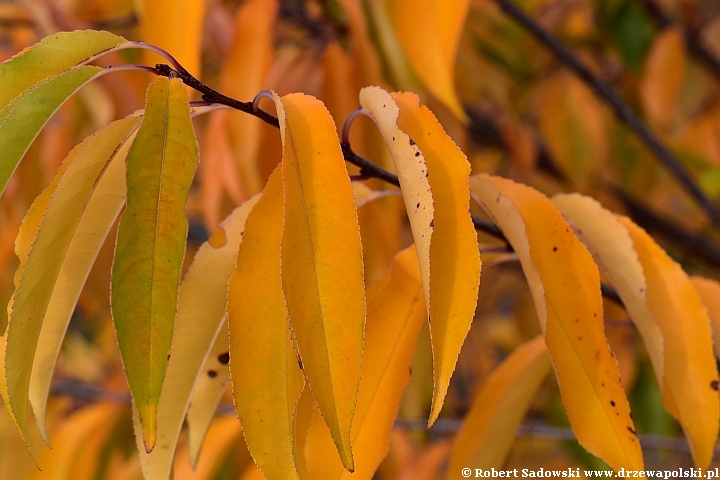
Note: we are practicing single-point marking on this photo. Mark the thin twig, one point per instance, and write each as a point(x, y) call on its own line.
point(623, 112)
point(693, 44)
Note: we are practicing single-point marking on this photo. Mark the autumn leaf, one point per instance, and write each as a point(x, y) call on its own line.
point(665, 69)
point(396, 310)
point(151, 245)
point(267, 381)
point(322, 269)
point(432, 54)
point(454, 256)
point(709, 291)
point(199, 325)
point(490, 427)
point(565, 285)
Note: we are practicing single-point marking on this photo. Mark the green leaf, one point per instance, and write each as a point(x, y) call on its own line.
point(43, 246)
point(151, 245)
point(22, 119)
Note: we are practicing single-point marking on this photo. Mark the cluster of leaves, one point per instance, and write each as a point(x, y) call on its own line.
point(308, 278)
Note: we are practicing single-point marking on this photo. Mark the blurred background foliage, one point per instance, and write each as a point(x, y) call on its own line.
point(528, 118)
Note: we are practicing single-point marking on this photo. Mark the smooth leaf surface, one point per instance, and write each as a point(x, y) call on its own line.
point(22, 118)
point(709, 291)
point(396, 311)
point(42, 248)
point(85, 204)
point(613, 249)
point(432, 53)
point(53, 55)
point(565, 285)
point(200, 324)
point(691, 377)
point(267, 381)
point(489, 428)
point(454, 254)
point(412, 172)
point(151, 245)
point(322, 268)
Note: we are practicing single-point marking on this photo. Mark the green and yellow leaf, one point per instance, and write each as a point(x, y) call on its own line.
point(565, 285)
point(322, 268)
point(151, 245)
point(200, 324)
point(267, 381)
point(454, 254)
point(42, 247)
point(489, 429)
point(396, 310)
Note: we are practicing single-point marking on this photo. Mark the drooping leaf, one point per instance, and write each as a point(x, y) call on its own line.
point(22, 118)
point(432, 53)
point(709, 291)
point(490, 427)
point(176, 27)
point(84, 206)
point(613, 250)
point(267, 381)
point(691, 377)
point(396, 310)
point(565, 285)
point(412, 172)
point(322, 269)
point(151, 245)
point(200, 320)
point(52, 56)
point(208, 392)
point(454, 255)
point(42, 247)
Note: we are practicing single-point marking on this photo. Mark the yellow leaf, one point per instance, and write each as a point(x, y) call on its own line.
point(709, 291)
point(565, 285)
point(432, 52)
point(208, 392)
point(151, 245)
point(412, 172)
point(396, 311)
point(322, 269)
point(454, 255)
point(42, 249)
point(691, 377)
point(267, 381)
point(77, 248)
point(613, 250)
point(663, 76)
point(200, 320)
point(489, 428)
point(177, 28)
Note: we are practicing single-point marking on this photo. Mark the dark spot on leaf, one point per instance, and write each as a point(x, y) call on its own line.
point(168, 357)
point(412, 142)
point(632, 430)
point(212, 373)
point(554, 249)
point(417, 154)
point(579, 338)
point(224, 358)
point(612, 402)
point(432, 223)
point(418, 205)
point(714, 385)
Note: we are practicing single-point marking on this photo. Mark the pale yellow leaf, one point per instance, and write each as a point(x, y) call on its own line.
point(612, 248)
point(565, 285)
point(454, 255)
point(322, 268)
point(489, 428)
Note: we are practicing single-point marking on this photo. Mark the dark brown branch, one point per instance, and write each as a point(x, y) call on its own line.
point(693, 44)
point(623, 112)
